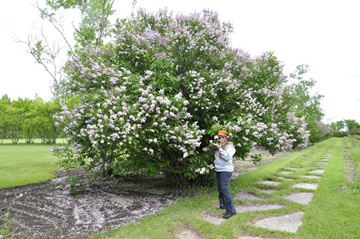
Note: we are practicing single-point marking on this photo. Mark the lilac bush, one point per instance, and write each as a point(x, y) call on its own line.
point(153, 99)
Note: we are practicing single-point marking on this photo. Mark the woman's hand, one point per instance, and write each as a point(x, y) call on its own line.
point(215, 145)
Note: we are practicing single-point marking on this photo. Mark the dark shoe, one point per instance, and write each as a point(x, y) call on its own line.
point(227, 216)
point(221, 207)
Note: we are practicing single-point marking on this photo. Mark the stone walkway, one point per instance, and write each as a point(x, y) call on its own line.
point(286, 223)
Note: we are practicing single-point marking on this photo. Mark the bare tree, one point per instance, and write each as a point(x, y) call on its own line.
point(47, 54)
point(94, 18)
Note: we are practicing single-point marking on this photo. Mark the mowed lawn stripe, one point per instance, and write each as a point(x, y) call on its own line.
point(25, 164)
point(332, 214)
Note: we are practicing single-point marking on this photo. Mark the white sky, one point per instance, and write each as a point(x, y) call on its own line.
point(323, 34)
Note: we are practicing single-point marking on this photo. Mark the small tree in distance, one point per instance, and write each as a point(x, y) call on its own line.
point(154, 98)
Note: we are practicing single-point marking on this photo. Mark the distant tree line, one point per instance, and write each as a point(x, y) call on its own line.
point(29, 119)
point(345, 127)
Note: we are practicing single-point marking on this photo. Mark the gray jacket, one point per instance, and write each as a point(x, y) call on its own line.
point(224, 164)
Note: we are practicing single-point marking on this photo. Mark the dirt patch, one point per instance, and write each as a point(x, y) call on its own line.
point(351, 175)
point(214, 219)
point(188, 233)
point(44, 210)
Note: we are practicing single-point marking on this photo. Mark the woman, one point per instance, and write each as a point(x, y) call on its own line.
point(223, 170)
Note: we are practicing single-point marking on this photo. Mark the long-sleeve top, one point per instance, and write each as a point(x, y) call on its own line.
point(224, 164)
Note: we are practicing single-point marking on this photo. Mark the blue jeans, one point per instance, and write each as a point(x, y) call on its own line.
point(225, 198)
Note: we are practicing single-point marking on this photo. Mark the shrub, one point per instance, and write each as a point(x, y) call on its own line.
point(153, 99)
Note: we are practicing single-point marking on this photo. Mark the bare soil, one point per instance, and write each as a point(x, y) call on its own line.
point(44, 210)
point(47, 210)
point(351, 175)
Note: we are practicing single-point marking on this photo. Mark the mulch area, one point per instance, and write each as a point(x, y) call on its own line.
point(45, 210)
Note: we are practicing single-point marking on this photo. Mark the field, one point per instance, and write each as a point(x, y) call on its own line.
point(332, 211)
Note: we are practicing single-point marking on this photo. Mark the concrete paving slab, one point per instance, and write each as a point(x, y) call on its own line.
point(325, 159)
point(310, 176)
point(305, 185)
point(262, 207)
point(269, 182)
point(285, 172)
point(318, 171)
point(291, 168)
point(322, 163)
point(287, 223)
point(267, 190)
point(303, 198)
point(244, 194)
point(187, 234)
point(212, 219)
point(290, 179)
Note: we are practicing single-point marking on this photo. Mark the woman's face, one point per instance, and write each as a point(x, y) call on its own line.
point(222, 139)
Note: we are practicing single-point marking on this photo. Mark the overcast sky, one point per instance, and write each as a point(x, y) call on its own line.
point(323, 34)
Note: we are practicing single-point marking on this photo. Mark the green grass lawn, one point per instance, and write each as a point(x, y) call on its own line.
point(25, 163)
point(331, 213)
